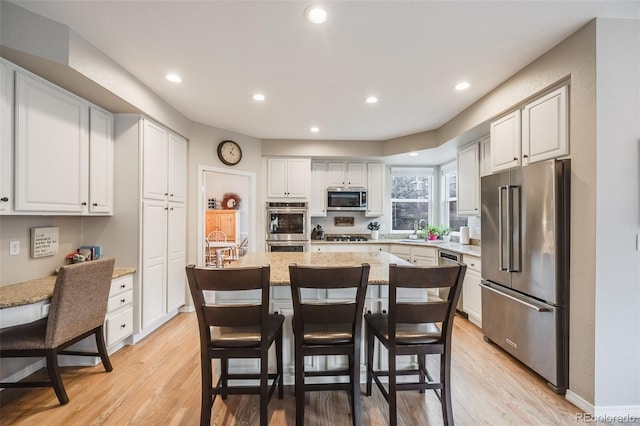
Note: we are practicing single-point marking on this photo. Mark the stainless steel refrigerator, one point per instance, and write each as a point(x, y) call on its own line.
point(525, 266)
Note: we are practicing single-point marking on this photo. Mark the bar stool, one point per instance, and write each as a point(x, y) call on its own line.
point(236, 331)
point(410, 329)
point(332, 328)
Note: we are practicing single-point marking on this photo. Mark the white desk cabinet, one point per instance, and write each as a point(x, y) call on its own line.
point(472, 300)
point(6, 137)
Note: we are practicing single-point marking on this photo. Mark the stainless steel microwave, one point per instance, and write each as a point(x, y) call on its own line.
point(346, 199)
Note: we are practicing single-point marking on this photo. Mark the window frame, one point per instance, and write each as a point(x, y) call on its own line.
point(445, 171)
point(432, 200)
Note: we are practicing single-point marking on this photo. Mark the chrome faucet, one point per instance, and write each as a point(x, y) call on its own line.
point(422, 224)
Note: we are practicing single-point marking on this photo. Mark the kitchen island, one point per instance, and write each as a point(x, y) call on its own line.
point(378, 273)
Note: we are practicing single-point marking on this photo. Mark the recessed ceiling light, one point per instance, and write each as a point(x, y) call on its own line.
point(174, 78)
point(372, 100)
point(463, 85)
point(314, 129)
point(258, 97)
point(315, 14)
point(413, 154)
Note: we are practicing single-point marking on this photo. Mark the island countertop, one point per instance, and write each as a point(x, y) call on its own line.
point(379, 262)
point(39, 289)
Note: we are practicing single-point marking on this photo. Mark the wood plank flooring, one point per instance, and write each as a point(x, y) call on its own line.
point(157, 382)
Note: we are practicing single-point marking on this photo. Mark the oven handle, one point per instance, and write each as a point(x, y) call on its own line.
point(277, 211)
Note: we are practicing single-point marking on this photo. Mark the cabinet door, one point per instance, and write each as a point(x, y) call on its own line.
point(154, 261)
point(298, 177)
point(375, 189)
point(177, 184)
point(227, 223)
point(468, 186)
point(52, 149)
point(472, 299)
point(6, 138)
point(505, 142)
point(485, 157)
point(545, 132)
point(154, 161)
point(336, 174)
point(276, 177)
point(356, 174)
point(100, 161)
point(176, 255)
point(318, 190)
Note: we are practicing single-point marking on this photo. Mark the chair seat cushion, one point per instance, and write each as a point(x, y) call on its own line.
point(406, 334)
point(244, 337)
point(327, 334)
point(24, 336)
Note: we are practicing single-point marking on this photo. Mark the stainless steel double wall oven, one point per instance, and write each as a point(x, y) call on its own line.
point(287, 227)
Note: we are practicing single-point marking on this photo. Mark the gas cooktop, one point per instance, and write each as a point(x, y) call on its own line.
point(345, 238)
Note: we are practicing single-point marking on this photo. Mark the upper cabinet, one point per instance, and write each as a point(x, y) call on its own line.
point(543, 133)
point(288, 177)
point(468, 185)
point(346, 174)
point(6, 137)
point(375, 189)
point(100, 161)
point(505, 142)
point(177, 183)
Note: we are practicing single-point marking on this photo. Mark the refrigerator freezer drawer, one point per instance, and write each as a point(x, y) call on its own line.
point(526, 328)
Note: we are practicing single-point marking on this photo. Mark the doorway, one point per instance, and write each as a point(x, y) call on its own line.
point(219, 184)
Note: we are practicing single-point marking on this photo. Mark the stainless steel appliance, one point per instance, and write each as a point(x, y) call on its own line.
point(346, 199)
point(287, 226)
point(445, 256)
point(525, 266)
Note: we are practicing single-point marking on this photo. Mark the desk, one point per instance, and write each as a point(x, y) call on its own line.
point(378, 273)
point(219, 246)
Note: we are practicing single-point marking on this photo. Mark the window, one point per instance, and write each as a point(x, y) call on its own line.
point(411, 192)
point(449, 198)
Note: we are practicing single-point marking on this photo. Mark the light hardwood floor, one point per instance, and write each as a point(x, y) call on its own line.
point(157, 382)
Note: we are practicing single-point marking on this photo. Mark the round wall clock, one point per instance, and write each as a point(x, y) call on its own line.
point(229, 153)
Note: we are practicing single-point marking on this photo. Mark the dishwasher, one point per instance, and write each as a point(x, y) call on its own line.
point(445, 256)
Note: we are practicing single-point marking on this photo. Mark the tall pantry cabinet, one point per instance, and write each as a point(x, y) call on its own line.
point(148, 228)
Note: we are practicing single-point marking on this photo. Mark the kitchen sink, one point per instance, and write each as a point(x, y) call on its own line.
point(429, 242)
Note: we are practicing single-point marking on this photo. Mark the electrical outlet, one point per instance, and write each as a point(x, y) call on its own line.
point(14, 248)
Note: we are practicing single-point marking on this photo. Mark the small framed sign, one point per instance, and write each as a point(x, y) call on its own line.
point(343, 221)
point(44, 241)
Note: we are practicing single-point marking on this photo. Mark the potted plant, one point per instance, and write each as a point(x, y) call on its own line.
point(374, 227)
point(433, 232)
point(444, 232)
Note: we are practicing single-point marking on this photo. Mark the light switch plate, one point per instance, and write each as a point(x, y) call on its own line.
point(14, 248)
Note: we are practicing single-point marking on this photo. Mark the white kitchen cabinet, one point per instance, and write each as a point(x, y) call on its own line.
point(485, 156)
point(100, 161)
point(378, 248)
point(155, 143)
point(6, 137)
point(318, 194)
point(468, 185)
point(51, 149)
point(506, 142)
point(119, 318)
point(177, 174)
point(154, 261)
point(346, 174)
point(176, 255)
point(375, 189)
point(545, 130)
point(472, 300)
point(288, 177)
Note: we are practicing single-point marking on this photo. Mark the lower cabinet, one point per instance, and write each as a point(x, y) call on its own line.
point(119, 319)
point(472, 300)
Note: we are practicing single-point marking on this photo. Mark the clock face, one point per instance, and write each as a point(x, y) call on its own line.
point(229, 153)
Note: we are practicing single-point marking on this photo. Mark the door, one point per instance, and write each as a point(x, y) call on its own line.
point(535, 257)
point(494, 228)
point(154, 261)
point(176, 255)
point(100, 161)
point(177, 184)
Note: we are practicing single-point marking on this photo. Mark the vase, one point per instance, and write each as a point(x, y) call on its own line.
point(374, 234)
point(433, 237)
point(446, 238)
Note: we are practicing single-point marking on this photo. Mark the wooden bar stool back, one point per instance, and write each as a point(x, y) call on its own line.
point(410, 328)
point(332, 328)
point(242, 330)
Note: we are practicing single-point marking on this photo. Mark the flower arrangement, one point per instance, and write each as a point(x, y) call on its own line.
point(373, 226)
point(433, 232)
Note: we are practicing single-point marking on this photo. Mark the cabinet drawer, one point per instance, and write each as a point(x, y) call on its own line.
point(119, 326)
point(400, 251)
point(120, 300)
point(473, 263)
point(424, 252)
point(121, 284)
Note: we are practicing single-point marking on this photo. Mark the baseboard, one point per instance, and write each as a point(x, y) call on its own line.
point(602, 413)
point(153, 327)
point(24, 372)
point(187, 308)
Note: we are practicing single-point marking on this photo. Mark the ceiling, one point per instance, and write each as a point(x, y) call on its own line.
point(410, 54)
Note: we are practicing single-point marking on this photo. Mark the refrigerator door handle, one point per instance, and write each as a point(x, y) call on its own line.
point(500, 212)
point(509, 230)
point(528, 305)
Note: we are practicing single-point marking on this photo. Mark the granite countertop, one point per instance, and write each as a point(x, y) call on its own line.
point(379, 262)
point(471, 250)
point(37, 290)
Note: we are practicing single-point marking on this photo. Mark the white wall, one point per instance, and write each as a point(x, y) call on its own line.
point(617, 309)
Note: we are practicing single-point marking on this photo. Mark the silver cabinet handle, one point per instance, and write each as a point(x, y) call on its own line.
point(528, 305)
